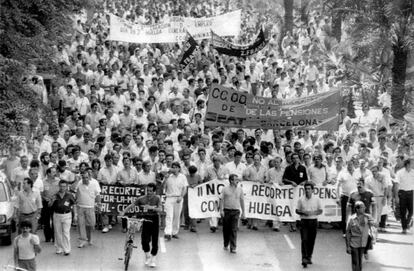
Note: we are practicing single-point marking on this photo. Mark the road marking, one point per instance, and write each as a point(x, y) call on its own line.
point(289, 241)
point(162, 245)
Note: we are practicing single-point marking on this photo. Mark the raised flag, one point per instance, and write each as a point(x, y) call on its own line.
point(227, 48)
point(188, 53)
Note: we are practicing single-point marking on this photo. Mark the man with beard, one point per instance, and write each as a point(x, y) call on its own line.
point(44, 160)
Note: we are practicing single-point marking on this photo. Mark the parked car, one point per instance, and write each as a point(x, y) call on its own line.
point(7, 222)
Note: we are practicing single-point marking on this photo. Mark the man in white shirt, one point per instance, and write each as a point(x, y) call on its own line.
point(175, 190)
point(161, 95)
point(180, 82)
point(87, 195)
point(82, 103)
point(385, 98)
point(405, 187)
point(346, 183)
point(236, 166)
point(308, 208)
point(311, 76)
point(119, 100)
point(18, 174)
point(109, 80)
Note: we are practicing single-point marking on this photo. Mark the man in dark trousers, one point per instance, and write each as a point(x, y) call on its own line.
point(308, 208)
point(232, 201)
point(150, 204)
point(295, 174)
point(367, 197)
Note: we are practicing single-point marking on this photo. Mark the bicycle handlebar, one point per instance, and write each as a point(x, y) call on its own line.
point(136, 219)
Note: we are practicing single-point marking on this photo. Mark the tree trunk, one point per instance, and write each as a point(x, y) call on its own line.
point(398, 81)
point(288, 18)
point(337, 25)
point(303, 11)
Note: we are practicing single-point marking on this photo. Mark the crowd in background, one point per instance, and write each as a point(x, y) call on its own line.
point(125, 113)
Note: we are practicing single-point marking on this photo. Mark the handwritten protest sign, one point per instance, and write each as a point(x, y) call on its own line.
point(267, 201)
point(204, 199)
point(115, 198)
point(263, 201)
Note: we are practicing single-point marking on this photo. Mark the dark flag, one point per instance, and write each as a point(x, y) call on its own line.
point(227, 48)
point(189, 48)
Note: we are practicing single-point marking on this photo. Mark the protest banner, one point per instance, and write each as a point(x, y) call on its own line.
point(115, 198)
point(224, 25)
point(204, 199)
point(227, 48)
point(187, 55)
point(263, 201)
point(174, 29)
point(267, 201)
point(230, 108)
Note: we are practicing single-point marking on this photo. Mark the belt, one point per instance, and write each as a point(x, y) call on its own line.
point(29, 213)
point(172, 196)
point(62, 213)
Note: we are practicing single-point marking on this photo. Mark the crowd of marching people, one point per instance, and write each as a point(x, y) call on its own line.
point(127, 114)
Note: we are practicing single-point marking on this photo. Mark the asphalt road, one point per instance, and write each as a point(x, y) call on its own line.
point(257, 250)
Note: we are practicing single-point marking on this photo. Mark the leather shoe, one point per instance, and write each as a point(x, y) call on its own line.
point(167, 237)
point(175, 236)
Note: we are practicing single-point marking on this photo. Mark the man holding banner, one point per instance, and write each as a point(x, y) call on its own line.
point(232, 201)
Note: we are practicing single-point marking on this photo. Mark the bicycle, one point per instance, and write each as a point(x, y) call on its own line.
point(12, 268)
point(134, 225)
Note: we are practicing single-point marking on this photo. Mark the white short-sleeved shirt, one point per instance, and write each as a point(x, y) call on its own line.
point(174, 184)
point(25, 246)
point(405, 179)
point(86, 194)
point(347, 181)
point(309, 205)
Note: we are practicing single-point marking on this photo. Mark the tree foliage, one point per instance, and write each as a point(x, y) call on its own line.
point(29, 30)
point(382, 32)
point(379, 35)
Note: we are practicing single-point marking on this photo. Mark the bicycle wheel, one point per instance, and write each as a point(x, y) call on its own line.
point(128, 252)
